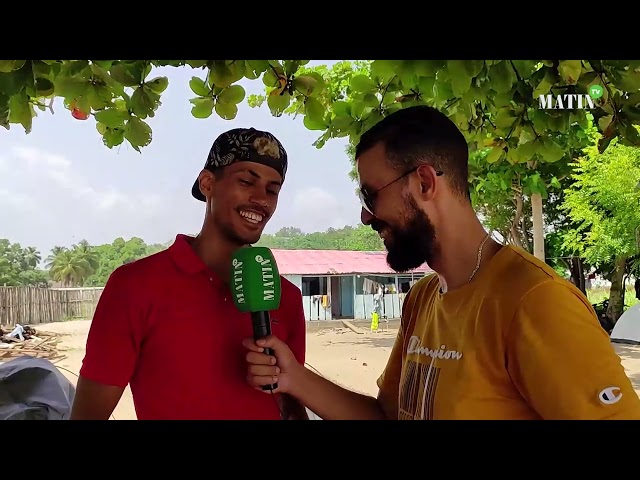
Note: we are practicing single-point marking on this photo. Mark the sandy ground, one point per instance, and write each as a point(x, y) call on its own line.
point(352, 360)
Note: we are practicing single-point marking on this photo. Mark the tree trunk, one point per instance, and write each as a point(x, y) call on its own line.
point(616, 302)
point(538, 226)
point(515, 232)
point(577, 274)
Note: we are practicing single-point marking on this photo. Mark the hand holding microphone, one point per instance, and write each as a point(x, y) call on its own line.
point(255, 288)
point(263, 370)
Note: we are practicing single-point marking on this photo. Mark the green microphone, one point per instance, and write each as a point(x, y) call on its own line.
point(256, 288)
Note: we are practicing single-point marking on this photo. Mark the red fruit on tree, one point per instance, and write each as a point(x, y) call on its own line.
point(79, 115)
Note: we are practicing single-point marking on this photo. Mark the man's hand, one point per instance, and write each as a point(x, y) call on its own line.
point(265, 369)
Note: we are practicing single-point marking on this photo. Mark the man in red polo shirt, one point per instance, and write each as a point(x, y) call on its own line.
point(166, 324)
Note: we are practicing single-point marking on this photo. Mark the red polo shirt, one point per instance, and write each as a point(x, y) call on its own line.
point(168, 327)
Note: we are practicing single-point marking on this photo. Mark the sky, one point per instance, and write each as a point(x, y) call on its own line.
point(60, 184)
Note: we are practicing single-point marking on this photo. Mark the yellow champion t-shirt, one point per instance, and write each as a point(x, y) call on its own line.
point(517, 342)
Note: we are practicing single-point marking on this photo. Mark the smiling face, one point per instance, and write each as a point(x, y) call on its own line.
point(241, 199)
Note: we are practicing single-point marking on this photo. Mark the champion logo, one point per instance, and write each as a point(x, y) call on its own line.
point(610, 395)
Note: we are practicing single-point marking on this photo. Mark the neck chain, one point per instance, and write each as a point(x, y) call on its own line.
point(475, 270)
point(479, 257)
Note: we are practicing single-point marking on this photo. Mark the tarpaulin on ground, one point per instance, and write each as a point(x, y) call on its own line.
point(34, 389)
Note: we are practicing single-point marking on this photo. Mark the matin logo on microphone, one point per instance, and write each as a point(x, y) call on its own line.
point(268, 282)
point(237, 280)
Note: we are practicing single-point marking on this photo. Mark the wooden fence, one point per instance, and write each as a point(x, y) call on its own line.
point(32, 305)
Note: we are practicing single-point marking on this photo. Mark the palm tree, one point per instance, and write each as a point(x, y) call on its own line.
point(31, 257)
point(73, 266)
point(55, 251)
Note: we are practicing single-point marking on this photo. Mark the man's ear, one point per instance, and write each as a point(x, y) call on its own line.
point(427, 182)
point(207, 181)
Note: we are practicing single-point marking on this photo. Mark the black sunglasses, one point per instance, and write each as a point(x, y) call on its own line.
point(368, 199)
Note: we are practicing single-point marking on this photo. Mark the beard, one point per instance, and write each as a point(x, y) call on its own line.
point(411, 244)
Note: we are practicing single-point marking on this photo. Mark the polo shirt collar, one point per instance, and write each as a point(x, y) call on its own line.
point(185, 257)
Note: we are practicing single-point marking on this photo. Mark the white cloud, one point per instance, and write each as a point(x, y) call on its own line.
point(316, 209)
point(49, 199)
point(46, 201)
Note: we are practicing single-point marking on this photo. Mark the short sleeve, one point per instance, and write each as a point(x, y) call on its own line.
point(297, 326)
point(113, 342)
point(563, 362)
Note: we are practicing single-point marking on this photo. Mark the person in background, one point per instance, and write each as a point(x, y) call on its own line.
point(166, 324)
point(495, 333)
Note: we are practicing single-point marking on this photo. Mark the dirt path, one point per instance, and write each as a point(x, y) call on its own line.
point(354, 361)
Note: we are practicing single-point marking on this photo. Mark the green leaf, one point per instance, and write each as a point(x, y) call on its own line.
point(121, 75)
point(494, 155)
point(342, 122)
point(113, 138)
point(278, 103)
point(4, 111)
point(254, 68)
point(20, 111)
point(502, 77)
point(104, 64)
point(142, 104)
point(342, 108)
point(112, 117)
point(270, 79)
point(442, 90)
point(604, 122)
point(6, 66)
point(629, 81)
point(555, 183)
point(384, 70)
point(233, 94)
point(363, 84)
point(198, 87)
point(227, 111)
point(44, 87)
point(370, 100)
point(544, 86)
point(138, 133)
point(460, 78)
point(311, 124)
point(570, 70)
point(314, 110)
point(202, 107)
point(221, 75)
point(158, 84)
point(69, 87)
point(197, 63)
point(505, 117)
point(14, 82)
point(551, 152)
point(632, 135)
point(99, 97)
point(305, 84)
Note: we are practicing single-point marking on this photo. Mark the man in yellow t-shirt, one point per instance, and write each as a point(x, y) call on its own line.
point(517, 342)
point(494, 334)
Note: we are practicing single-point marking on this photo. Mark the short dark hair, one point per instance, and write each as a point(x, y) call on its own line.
point(422, 135)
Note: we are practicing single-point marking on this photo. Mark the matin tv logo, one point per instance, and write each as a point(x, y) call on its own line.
point(570, 101)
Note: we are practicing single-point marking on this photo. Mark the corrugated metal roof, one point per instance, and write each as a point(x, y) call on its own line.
point(335, 262)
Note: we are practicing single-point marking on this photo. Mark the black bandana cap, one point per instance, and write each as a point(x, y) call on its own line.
point(244, 145)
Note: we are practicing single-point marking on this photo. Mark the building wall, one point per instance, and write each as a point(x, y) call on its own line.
point(360, 305)
point(295, 279)
point(313, 307)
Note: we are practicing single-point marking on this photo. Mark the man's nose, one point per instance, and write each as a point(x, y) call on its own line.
point(365, 216)
point(259, 199)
